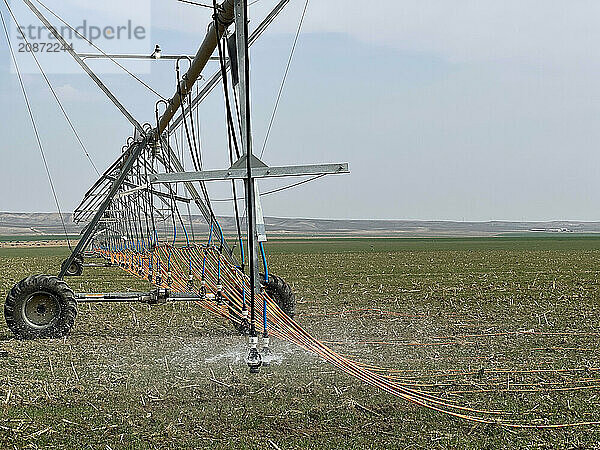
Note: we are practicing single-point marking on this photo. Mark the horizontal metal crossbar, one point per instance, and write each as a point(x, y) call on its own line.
point(157, 296)
point(257, 172)
point(85, 56)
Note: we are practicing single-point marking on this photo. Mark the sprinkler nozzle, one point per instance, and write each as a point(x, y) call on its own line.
point(254, 359)
point(266, 351)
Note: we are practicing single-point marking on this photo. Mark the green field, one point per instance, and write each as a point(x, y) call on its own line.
point(36, 238)
point(509, 323)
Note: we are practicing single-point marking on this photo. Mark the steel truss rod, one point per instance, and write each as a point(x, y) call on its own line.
point(92, 200)
point(154, 297)
point(216, 78)
point(134, 151)
point(137, 189)
point(106, 173)
point(216, 30)
point(203, 55)
point(205, 48)
point(195, 195)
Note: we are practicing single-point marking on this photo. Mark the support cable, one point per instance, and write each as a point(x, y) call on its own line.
point(287, 69)
point(283, 188)
point(60, 105)
point(35, 130)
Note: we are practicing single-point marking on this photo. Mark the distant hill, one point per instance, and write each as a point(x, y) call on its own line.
point(31, 224)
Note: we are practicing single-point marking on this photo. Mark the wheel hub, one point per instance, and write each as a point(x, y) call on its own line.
point(41, 309)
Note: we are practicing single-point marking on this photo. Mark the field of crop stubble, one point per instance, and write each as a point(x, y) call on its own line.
point(506, 323)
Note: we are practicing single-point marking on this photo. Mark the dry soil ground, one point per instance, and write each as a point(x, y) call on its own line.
point(510, 323)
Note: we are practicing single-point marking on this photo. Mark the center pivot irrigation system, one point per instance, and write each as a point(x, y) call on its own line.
point(137, 216)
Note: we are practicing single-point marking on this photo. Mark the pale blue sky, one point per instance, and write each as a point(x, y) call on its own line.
point(472, 110)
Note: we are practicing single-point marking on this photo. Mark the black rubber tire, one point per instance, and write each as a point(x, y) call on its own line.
point(279, 291)
point(54, 315)
point(76, 267)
